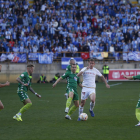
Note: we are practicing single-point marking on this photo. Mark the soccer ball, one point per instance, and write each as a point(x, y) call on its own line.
point(83, 116)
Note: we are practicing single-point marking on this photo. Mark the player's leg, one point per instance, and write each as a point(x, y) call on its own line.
point(69, 100)
point(84, 97)
point(138, 116)
point(72, 109)
point(107, 78)
point(138, 112)
point(1, 106)
point(92, 103)
point(27, 104)
point(81, 107)
point(75, 106)
point(105, 75)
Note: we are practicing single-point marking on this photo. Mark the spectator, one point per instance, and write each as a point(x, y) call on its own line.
point(35, 49)
point(86, 48)
point(74, 51)
point(15, 49)
point(70, 24)
point(42, 79)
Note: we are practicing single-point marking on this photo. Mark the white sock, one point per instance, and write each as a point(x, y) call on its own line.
point(92, 105)
point(81, 110)
point(66, 94)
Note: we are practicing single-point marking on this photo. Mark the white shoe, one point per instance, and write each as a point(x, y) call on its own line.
point(66, 110)
point(66, 95)
point(68, 117)
point(138, 124)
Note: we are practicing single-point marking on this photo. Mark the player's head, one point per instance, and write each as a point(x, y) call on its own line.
point(91, 63)
point(72, 61)
point(30, 68)
point(0, 67)
point(73, 68)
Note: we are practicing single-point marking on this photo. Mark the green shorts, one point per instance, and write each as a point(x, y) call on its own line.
point(75, 97)
point(22, 95)
point(138, 104)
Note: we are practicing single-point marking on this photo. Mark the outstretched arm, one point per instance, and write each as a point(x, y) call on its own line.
point(108, 86)
point(128, 77)
point(82, 71)
point(6, 84)
point(31, 89)
point(57, 81)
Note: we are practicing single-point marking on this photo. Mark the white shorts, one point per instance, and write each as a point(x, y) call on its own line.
point(86, 92)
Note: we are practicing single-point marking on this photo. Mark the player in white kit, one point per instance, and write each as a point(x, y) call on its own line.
point(89, 75)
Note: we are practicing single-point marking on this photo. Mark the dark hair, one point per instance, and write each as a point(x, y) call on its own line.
point(30, 65)
point(91, 60)
point(73, 64)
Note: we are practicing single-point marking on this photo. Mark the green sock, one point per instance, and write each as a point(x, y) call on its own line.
point(24, 108)
point(138, 114)
point(68, 103)
point(72, 109)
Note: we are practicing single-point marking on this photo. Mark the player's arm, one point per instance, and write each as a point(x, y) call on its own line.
point(65, 75)
point(82, 71)
point(103, 78)
point(132, 77)
point(80, 85)
point(19, 80)
point(6, 84)
point(128, 77)
point(31, 89)
point(108, 86)
point(57, 81)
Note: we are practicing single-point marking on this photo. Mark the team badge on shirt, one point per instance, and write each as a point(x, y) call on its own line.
point(75, 78)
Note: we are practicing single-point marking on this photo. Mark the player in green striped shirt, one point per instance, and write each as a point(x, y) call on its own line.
point(71, 61)
point(3, 85)
point(72, 81)
point(24, 83)
point(137, 112)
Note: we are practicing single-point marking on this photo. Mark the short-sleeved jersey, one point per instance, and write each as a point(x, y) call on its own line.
point(68, 68)
point(136, 77)
point(26, 80)
point(89, 77)
point(72, 79)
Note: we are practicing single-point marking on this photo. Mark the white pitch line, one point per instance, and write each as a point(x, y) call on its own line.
point(115, 84)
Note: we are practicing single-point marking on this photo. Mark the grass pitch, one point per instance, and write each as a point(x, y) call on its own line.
point(114, 114)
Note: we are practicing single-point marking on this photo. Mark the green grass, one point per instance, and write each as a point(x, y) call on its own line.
point(114, 114)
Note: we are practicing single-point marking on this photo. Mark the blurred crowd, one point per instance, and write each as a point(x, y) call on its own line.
point(73, 26)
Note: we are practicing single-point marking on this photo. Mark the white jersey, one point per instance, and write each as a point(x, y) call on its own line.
point(89, 77)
